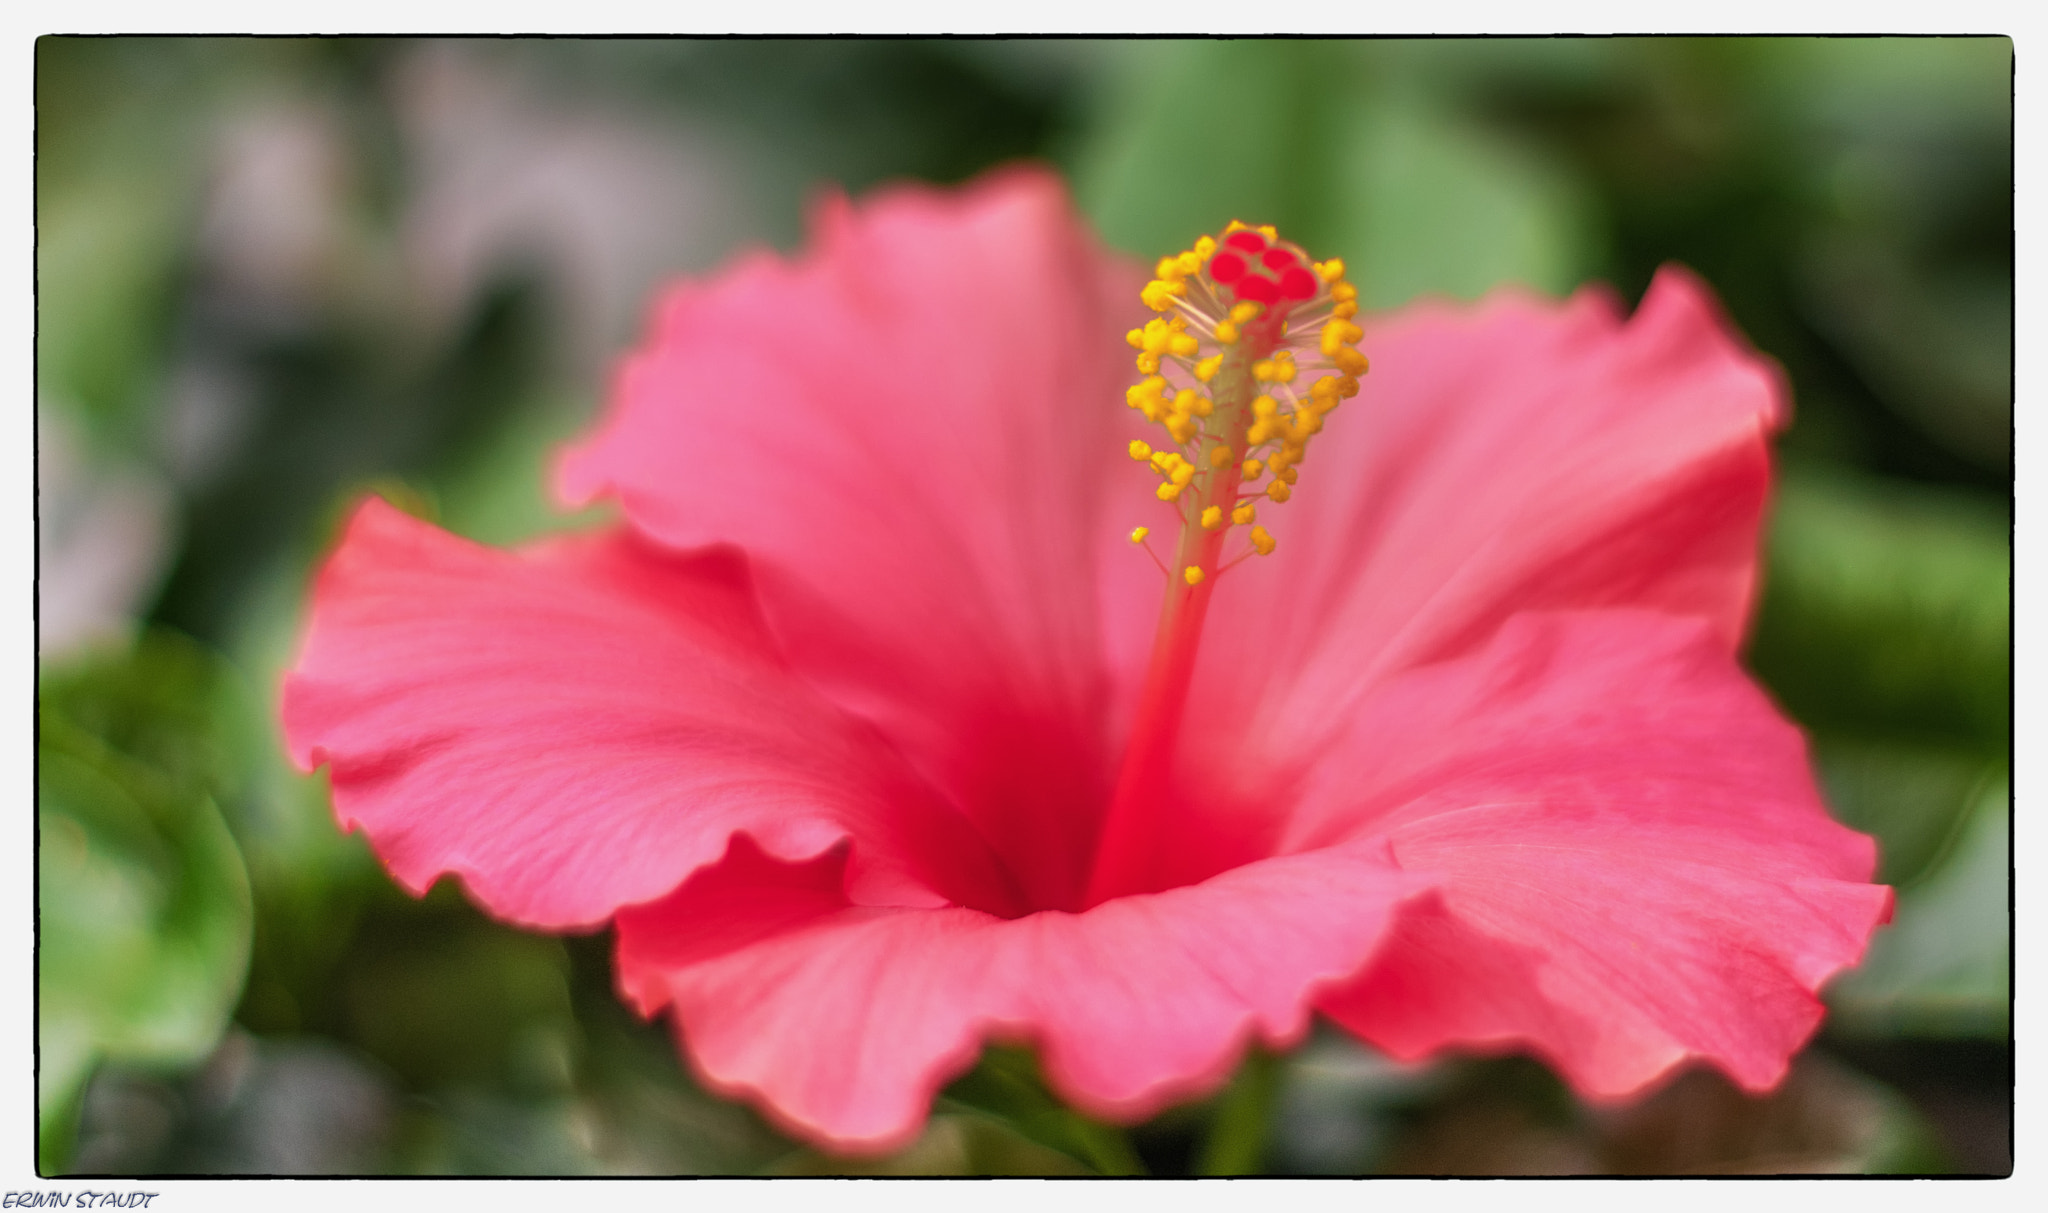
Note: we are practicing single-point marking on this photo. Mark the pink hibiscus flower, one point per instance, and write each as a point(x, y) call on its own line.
point(857, 730)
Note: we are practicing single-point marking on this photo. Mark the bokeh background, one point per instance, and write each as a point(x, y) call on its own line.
point(274, 275)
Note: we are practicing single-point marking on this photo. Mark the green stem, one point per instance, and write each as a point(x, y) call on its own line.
point(1236, 1144)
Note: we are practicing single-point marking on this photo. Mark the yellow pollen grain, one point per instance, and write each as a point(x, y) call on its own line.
point(1246, 312)
point(1332, 270)
point(1212, 518)
point(1169, 491)
point(1262, 541)
point(1192, 575)
point(1226, 332)
point(1139, 450)
point(1206, 369)
point(1251, 469)
point(1243, 514)
point(1138, 533)
point(1279, 491)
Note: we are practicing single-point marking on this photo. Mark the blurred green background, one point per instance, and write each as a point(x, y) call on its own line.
point(276, 274)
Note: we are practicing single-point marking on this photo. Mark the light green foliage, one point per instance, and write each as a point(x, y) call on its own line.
point(1944, 966)
point(1356, 151)
point(144, 905)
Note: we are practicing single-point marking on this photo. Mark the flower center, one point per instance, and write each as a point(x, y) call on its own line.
point(1253, 347)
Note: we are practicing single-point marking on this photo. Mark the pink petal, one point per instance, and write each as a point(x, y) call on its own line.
point(1636, 867)
point(916, 433)
point(844, 1021)
point(581, 725)
point(1522, 456)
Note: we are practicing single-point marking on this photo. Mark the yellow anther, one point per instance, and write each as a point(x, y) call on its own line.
point(1243, 514)
point(1169, 269)
point(1287, 476)
point(1138, 533)
point(1148, 364)
point(1278, 490)
point(1283, 367)
point(1183, 345)
point(1343, 292)
point(1185, 400)
point(1246, 312)
point(1351, 362)
point(1235, 225)
point(1270, 232)
point(1264, 407)
point(1182, 427)
point(1212, 518)
point(1206, 369)
point(1139, 450)
point(1226, 332)
point(1169, 491)
point(1149, 388)
point(1204, 247)
point(1137, 338)
point(1336, 333)
point(1251, 469)
point(1262, 541)
point(1201, 406)
point(1260, 431)
point(1219, 456)
point(1183, 472)
point(1332, 270)
point(1192, 575)
point(1325, 389)
point(1266, 370)
point(1160, 294)
point(1344, 311)
point(1163, 461)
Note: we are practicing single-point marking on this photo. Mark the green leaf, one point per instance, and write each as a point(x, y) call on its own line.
point(1428, 202)
point(1913, 797)
point(144, 905)
point(953, 1143)
point(1943, 967)
point(1007, 1085)
point(1349, 153)
point(1886, 610)
point(1202, 132)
